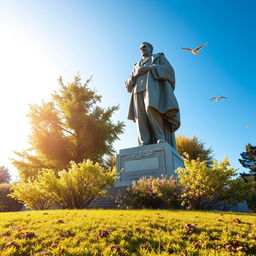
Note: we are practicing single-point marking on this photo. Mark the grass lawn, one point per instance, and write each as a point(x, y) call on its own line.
point(126, 232)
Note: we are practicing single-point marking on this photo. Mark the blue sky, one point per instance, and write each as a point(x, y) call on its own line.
point(41, 40)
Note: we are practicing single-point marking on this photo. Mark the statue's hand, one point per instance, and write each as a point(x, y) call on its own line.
point(140, 71)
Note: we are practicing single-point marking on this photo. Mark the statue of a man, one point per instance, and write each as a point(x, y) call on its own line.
point(153, 104)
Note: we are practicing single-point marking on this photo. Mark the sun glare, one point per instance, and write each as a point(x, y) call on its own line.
point(26, 78)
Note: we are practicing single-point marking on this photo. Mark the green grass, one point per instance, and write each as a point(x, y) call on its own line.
point(126, 232)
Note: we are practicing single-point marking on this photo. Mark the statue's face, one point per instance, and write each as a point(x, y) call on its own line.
point(145, 50)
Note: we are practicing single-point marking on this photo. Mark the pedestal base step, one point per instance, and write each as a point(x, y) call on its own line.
point(108, 202)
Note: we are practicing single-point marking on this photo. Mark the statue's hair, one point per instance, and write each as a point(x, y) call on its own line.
point(150, 45)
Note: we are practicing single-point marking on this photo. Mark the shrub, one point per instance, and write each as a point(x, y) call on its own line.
point(151, 193)
point(32, 194)
point(141, 194)
point(251, 193)
point(77, 187)
point(198, 187)
point(169, 190)
point(204, 186)
point(71, 189)
point(8, 204)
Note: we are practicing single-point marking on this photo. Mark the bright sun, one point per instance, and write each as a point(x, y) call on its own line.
point(26, 78)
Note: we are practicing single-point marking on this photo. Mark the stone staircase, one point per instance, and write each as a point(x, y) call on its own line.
point(108, 202)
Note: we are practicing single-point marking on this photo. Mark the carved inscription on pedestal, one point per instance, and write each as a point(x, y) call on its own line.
point(141, 163)
point(139, 154)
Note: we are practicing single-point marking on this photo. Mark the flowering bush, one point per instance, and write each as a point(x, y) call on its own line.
point(169, 190)
point(151, 193)
point(198, 186)
point(204, 187)
point(142, 194)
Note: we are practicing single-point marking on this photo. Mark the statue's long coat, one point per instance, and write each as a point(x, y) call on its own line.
point(159, 91)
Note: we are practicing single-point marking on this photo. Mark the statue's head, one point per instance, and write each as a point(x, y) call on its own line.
point(146, 49)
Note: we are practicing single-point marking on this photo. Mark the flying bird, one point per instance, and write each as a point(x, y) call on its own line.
point(218, 99)
point(196, 50)
point(247, 126)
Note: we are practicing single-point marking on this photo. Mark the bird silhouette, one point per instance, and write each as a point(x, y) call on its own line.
point(196, 50)
point(218, 99)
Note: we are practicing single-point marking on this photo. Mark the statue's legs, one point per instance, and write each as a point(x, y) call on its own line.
point(156, 123)
point(169, 136)
point(141, 118)
point(149, 122)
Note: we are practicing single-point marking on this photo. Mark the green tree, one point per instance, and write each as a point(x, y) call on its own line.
point(249, 161)
point(193, 148)
point(71, 127)
point(249, 158)
point(110, 162)
point(5, 176)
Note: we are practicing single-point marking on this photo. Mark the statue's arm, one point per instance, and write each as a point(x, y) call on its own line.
point(163, 71)
point(130, 83)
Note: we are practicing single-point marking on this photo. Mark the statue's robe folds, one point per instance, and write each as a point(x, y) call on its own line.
point(160, 85)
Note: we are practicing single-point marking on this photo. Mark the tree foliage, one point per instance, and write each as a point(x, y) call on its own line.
point(5, 176)
point(74, 188)
point(249, 158)
point(194, 149)
point(110, 162)
point(71, 127)
point(8, 204)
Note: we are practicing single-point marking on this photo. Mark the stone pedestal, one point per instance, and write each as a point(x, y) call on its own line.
point(149, 160)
